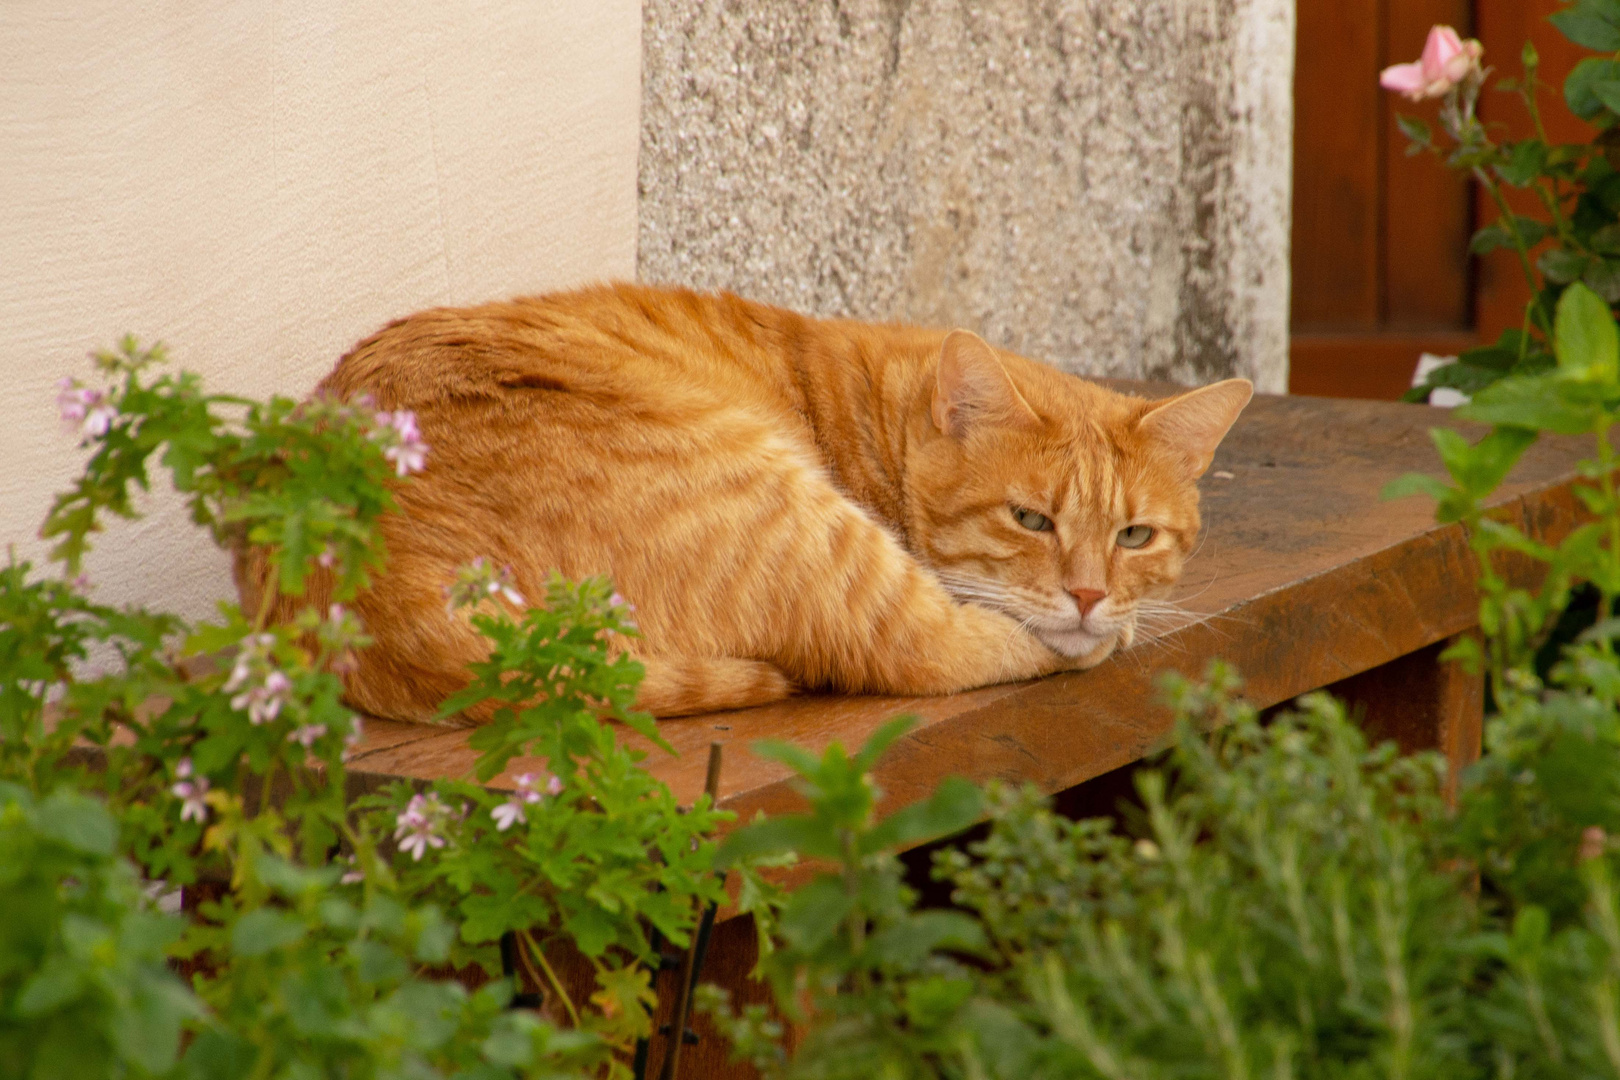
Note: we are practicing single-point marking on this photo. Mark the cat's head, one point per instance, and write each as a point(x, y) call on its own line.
point(1061, 503)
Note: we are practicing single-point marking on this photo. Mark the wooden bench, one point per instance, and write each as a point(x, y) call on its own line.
point(1305, 579)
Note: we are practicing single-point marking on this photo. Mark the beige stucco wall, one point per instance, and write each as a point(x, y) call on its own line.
point(261, 182)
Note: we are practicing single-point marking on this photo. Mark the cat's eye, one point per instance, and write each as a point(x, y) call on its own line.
point(1134, 536)
point(1033, 520)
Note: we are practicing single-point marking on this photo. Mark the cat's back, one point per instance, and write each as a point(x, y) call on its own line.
point(612, 346)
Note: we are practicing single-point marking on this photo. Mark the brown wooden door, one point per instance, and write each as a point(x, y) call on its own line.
point(1381, 271)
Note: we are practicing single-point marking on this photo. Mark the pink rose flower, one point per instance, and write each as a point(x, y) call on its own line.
point(1446, 61)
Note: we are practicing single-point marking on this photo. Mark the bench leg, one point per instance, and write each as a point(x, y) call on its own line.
point(1422, 704)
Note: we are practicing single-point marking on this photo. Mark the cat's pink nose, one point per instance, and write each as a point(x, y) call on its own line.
point(1087, 598)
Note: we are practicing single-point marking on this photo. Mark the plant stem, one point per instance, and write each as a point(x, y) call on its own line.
point(268, 598)
point(1606, 463)
point(264, 789)
point(1511, 224)
point(1549, 199)
point(551, 976)
point(857, 918)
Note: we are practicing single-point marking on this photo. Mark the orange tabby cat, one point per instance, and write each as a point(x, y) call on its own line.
point(788, 502)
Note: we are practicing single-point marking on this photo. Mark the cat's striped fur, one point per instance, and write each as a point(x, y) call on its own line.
point(787, 502)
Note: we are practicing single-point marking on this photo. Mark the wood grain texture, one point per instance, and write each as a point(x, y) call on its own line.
point(1381, 271)
point(1377, 366)
point(1305, 577)
point(1421, 703)
point(1337, 113)
point(1426, 208)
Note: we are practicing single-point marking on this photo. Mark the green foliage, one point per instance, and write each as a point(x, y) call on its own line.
point(1295, 903)
point(84, 987)
point(1278, 917)
point(304, 480)
point(885, 982)
point(599, 855)
point(214, 757)
point(1290, 902)
point(1592, 24)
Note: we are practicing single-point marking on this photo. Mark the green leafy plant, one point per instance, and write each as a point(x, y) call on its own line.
point(883, 980)
point(85, 989)
point(321, 932)
point(596, 853)
point(1291, 902)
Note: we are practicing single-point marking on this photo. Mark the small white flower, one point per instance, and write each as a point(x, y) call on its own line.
point(307, 734)
point(99, 421)
point(479, 580)
point(406, 449)
point(352, 876)
point(241, 672)
point(252, 655)
point(263, 703)
point(407, 458)
point(70, 400)
point(190, 791)
point(417, 828)
point(404, 422)
point(554, 786)
point(507, 813)
point(502, 585)
point(527, 793)
point(84, 410)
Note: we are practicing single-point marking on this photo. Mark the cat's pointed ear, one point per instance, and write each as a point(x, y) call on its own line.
point(972, 387)
point(1194, 423)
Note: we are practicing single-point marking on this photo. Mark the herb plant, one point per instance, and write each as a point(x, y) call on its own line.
point(1291, 902)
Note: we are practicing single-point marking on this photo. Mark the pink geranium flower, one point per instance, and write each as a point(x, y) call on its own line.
point(405, 446)
point(191, 791)
point(83, 410)
point(306, 735)
point(511, 811)
point(420, 826)
point(1447, 60)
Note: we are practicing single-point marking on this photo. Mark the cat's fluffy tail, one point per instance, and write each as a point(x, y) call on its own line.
point(684, 685)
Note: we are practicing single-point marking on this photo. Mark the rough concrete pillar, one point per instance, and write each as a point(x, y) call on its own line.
point(1101, 183)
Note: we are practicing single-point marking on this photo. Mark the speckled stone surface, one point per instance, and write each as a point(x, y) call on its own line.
point(1099, 183)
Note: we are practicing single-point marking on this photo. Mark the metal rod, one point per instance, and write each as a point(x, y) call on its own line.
point(683, 989)
point(521, 999)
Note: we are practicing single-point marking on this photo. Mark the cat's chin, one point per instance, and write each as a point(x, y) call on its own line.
point(1079, 645)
